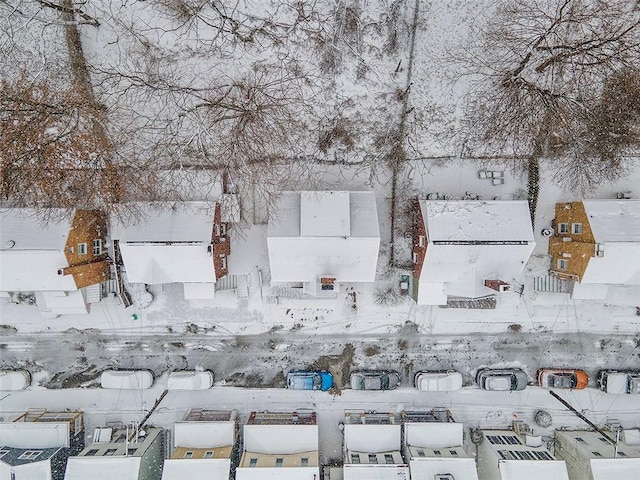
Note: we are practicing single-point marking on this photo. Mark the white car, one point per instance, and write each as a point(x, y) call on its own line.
point(619, 382)
point(126, 379)
point(190, 380)
point(14, 379)
point(438, 381)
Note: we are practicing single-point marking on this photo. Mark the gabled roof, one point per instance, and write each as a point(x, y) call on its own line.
point(372, 438)
point(31, 252)
point(614, 220)
point(278, 473)
point(40, 470)
point(280, 439)
point(615, 468)
point(428, 468)
point(169, 244)
point(433, 434)
point(375, 472)
point(196, 469)
point(470, 241)
point(103, 468)
point(533, 469)
point(204, 434)
point(35, 435)
point(324, 233)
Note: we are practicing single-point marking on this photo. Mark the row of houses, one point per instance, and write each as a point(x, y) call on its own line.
point(316, 242)
point(209, 445)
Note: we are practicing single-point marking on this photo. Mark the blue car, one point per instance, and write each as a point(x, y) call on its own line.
point(306, 380)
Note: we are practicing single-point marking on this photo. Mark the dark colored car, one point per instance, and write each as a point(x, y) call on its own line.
point(375, 380)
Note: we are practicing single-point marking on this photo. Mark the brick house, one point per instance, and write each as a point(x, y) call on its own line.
point(61, 262)
point(468, 248)
point(593, 243)
point(185, 243)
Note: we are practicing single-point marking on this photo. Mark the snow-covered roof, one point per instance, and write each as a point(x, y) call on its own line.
point(433, 434)
point(311, 234)
point(280, 439)
point(428, 468)
point(203, 434)
point(32, 252)
point(533, 469)
point(614, 267)
point(372, 438)
point(614, 220)
point(615, 468)
point(170, 244)
point(34, 435)
point(196, 469)
point(27, 471)
point(278, 473)
point(375, 472)
point(103, 468)
point(470, 241)
point(477, 220)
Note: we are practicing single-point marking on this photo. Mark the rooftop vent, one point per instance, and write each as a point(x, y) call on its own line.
point(9, 244)
point(443, 476)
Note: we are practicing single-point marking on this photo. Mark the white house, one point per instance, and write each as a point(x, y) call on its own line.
point(60, 262)
point(204, 443)
point(183, 243)
point(590, 456)
point(469, 248)
point(436, 449)
point(322, 239)
point(279, 446)
point(509, 455)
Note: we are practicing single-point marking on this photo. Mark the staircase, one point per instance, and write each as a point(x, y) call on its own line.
point(551, 284)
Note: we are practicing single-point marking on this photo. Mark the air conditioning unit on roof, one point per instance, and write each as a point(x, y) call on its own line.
point(443, 476)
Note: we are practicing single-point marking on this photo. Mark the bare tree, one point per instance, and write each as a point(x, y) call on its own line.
point(542, 71)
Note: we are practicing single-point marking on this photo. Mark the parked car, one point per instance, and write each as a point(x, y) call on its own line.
point(14, 379)
point(309, 380)
point(501, 379)
point(438, 381)
point(126, 379)
point(619, 381)
point(190, 380)
point(375, 380)
point(562, 378)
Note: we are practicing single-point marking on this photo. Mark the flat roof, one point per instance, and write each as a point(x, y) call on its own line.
point(103, 468)
point(614, 220)
point(204, 434)
point(615, 468)
point(428, 468)
point(196, 469)
point(434, 434)
point(533, 469)
point(375, 472)
point(372, 438)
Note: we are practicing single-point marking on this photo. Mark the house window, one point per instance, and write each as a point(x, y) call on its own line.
point(82, 249)
point(388, 459)
point(223, 262)
point(437, 453)
point(92, 452)
point(373, 458)
point(304, 462)
point(453, 453)
point(355, 458)
point(221, 230)
point(279, 462)
point(596, 454)
point(421, 453)
point(208, 454)
point(131, 451)
point(3, 453)
point(30, 455)
point(188, 454)
point(563, 228)
point(253, 462)
point(603, 440)
point(97, 246)
point(563, 264)
point(576, 228)
point(580, 439)
point(415, 257)
point(622, 454)
point(421, 241)
point(110, 451)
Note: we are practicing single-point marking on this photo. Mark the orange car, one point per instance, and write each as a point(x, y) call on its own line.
point(562, 378)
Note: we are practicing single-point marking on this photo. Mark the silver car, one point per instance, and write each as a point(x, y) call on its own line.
point(375, 380)
point(501, 379)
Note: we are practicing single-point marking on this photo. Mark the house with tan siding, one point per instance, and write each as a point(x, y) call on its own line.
point(595, 245)
point(61, 261)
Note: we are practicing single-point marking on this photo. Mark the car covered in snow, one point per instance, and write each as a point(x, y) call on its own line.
point(374, 380)
point(501, 379)
point(438, 381)
point(190, 380)
point(619, 382)
point(14, 380)
point(309, 380)
point(570, 378)
point(126, 379)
